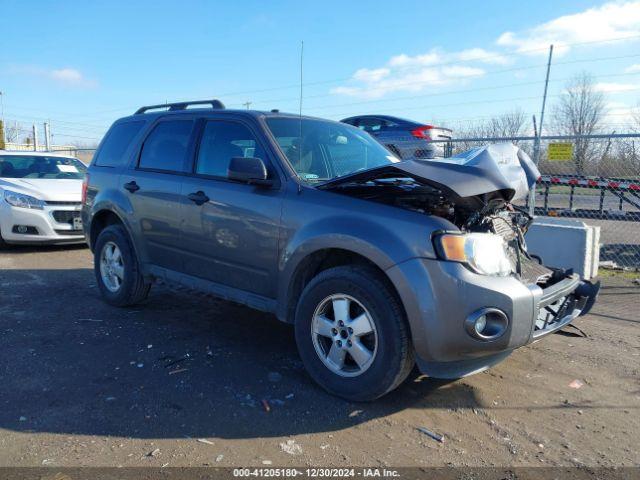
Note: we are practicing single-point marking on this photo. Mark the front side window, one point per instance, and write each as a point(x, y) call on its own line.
point(166, 146)
point(36, 166)
point(222, 141)
point(320, 150)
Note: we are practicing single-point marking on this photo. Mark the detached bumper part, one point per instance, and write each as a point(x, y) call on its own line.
point(562, 303)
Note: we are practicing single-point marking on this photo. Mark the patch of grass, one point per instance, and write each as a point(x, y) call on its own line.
point(611, 273)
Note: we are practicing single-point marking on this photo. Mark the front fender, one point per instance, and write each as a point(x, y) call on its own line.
point(361, 236)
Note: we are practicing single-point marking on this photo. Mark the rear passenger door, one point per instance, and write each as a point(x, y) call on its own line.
point(230, 230)
point(153, 188)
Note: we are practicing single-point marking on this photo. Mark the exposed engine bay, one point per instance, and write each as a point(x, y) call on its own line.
point(474, 191)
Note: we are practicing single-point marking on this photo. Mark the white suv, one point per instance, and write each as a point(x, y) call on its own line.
point(40, 196)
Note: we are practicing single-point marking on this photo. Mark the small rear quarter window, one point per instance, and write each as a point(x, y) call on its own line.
point(115, 144)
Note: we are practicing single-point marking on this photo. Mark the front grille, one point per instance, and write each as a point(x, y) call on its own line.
point(65, 216)
point(529, 270)
point(66, 204)
point(75, 233)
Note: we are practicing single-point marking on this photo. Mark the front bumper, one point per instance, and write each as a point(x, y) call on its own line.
point(52, 225)
point(439, 296)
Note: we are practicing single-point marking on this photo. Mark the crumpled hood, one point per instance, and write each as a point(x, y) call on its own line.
point(502, 168)
point(51, 189)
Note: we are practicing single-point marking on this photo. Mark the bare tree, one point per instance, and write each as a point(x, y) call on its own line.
point(509, 124)
point(579, 111)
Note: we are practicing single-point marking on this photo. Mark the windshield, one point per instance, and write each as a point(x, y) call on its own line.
point(320, 150)
point(27, 166)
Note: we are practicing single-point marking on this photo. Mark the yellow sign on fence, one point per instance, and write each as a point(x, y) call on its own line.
point(560, 151)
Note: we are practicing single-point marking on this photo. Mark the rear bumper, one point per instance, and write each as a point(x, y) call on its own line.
point(440, 296)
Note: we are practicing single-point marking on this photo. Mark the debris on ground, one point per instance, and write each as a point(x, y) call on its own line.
point(179, 370)
point(265, 404)
point(291, 447)
point(175, 362)
point(22, 419)
point(219, 458)
point(274, 377)
point(267, 462)
point(140, 365)
point(355, 413)
point(576, 384)
point(289, 396)
point(204, 440)
point(436, 436)
point(154, 453)
point(149, 346)
point(109, 399)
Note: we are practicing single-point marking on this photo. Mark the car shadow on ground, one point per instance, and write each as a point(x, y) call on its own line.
point(28, 248)
point(180, 365)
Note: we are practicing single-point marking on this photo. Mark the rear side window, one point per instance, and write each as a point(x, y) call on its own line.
point(115, 144)
point(166, 146)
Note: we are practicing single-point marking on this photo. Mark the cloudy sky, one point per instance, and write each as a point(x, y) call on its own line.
point(83, 64)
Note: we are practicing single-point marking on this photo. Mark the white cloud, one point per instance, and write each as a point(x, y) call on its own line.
point(633, 68)
point(405, 73)
point(616, 87)
point(67, 76)
point(610, 20)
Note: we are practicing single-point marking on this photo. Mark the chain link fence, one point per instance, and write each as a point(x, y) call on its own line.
point(594, 178)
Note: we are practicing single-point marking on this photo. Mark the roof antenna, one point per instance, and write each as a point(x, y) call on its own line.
point(301, 65)
point(300, 142)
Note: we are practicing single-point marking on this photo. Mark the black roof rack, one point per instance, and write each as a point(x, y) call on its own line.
point(215, 104)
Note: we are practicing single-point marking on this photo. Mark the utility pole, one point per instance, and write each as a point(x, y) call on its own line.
point(536, 143)
point(35, 138)
point(247, 104)
point(47, 136)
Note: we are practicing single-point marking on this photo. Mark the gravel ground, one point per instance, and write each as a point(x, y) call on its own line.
point(184, 380)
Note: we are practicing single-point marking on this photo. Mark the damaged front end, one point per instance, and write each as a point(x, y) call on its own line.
point(477, 191)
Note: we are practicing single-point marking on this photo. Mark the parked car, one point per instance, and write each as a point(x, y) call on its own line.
point(40, 198)
point(376, 262)
point(406, 138)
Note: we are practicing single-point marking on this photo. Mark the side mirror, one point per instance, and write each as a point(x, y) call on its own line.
point(249, 170)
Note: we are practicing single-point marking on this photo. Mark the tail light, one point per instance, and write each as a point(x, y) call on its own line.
point(85, 184)
point(422, 132)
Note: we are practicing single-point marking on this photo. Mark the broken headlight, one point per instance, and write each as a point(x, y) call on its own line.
point(484, 253)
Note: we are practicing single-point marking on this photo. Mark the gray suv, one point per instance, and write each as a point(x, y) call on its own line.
point(378, 263)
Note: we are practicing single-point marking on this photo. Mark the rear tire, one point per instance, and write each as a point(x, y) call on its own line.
point(354, 293)
point(116, 268)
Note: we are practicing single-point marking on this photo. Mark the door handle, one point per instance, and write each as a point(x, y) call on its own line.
point(198, 197)
point(132, 186)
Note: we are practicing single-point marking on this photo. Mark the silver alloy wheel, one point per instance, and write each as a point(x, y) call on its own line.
point(111, 267)
point(344, 335)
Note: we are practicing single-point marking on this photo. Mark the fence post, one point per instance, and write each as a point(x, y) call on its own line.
point(47, 136)
point(35, 138)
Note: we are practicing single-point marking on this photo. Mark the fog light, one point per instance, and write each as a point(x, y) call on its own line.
point(25, 230)
point(480, 324)
point(486, 324)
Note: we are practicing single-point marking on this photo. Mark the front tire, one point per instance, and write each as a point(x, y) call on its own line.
point(116, 268)
point(352, 334)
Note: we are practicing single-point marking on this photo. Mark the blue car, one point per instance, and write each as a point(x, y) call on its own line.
point(406, 138)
